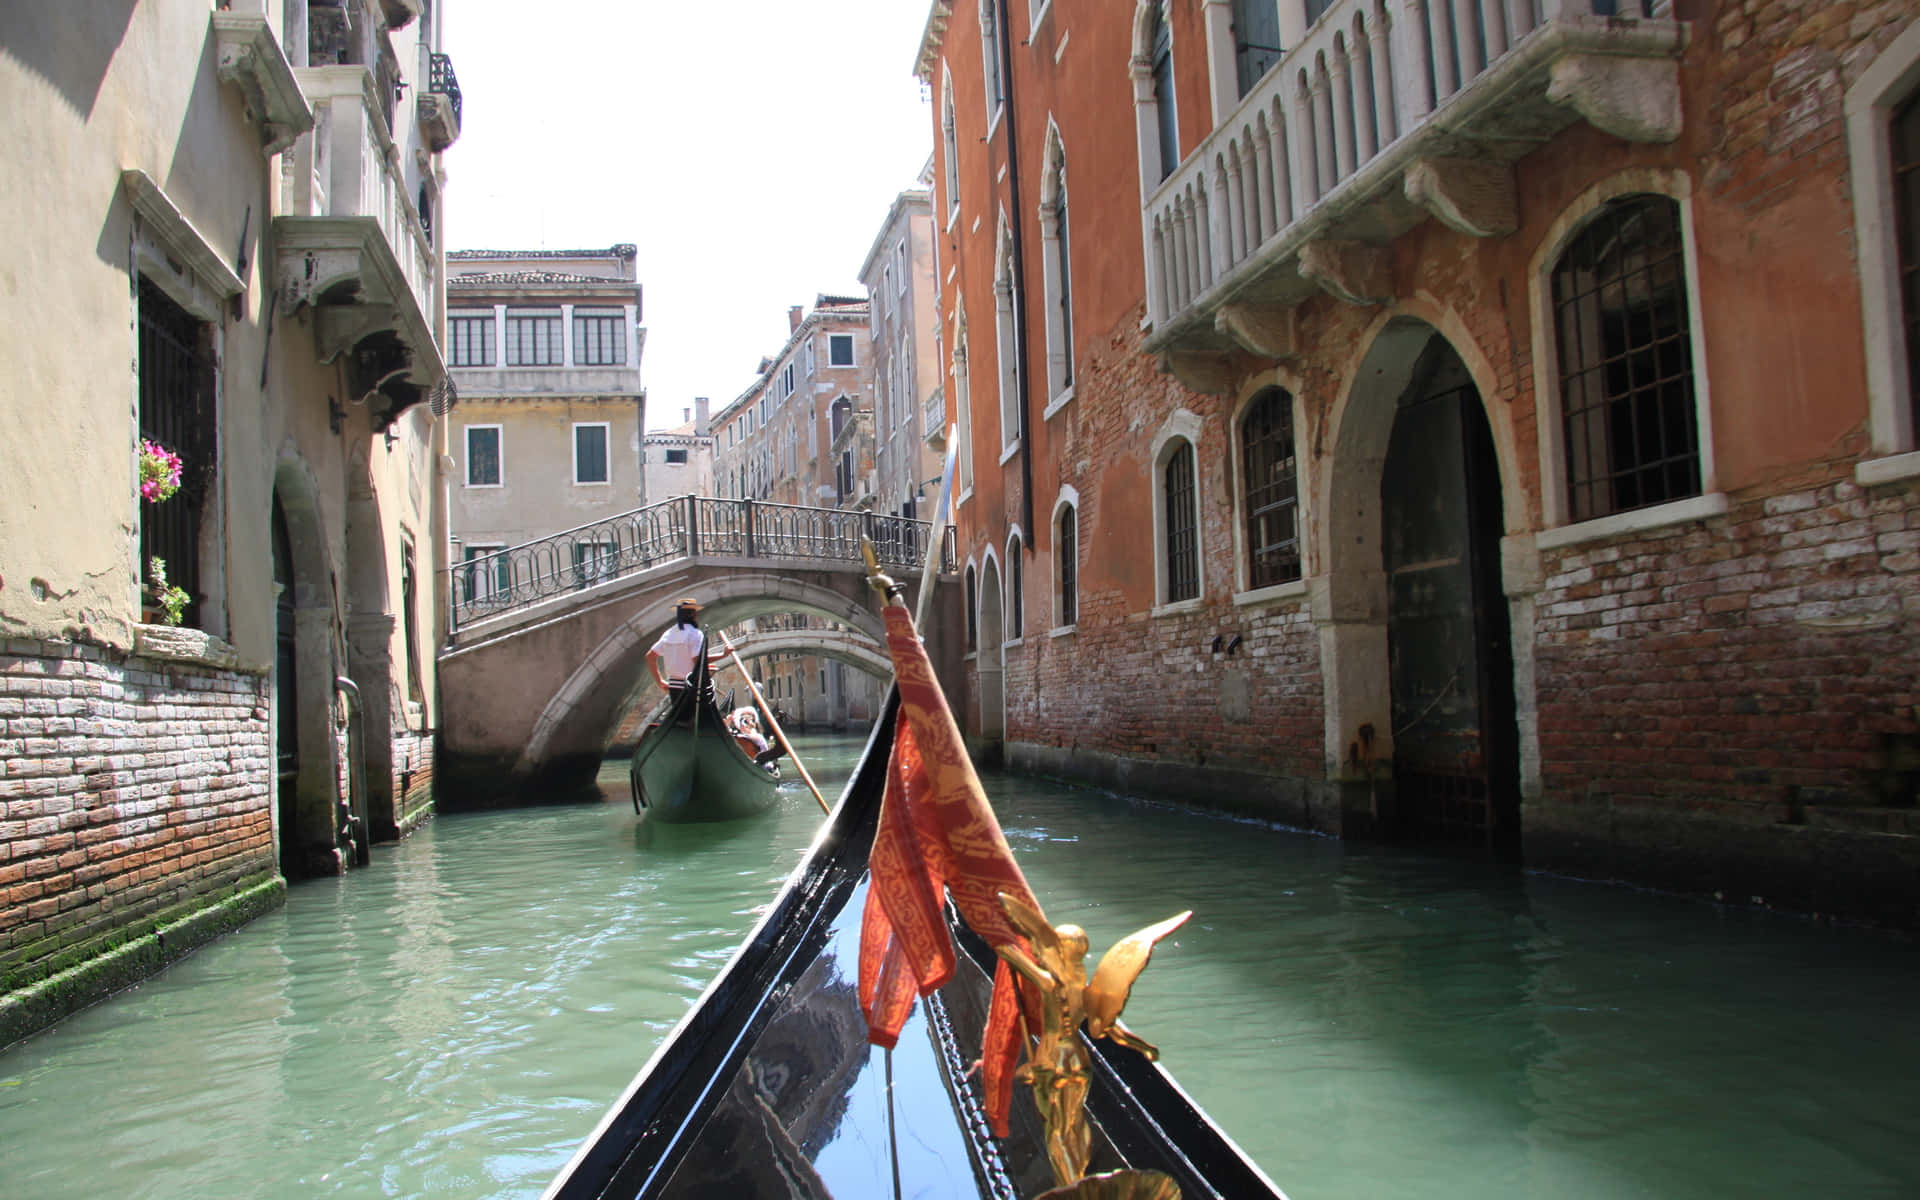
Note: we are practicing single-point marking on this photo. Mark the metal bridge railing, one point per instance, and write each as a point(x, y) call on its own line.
point(503, 581)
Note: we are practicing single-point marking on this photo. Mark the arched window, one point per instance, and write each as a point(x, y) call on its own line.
point(1904, 131)
point(1004, 339)
point(1016, 594)
point(1625, 356)
point(1160, 55)
point(973, 610)
point(1056, 271)
point(1178, 499)
point(1066, 551)
point(1271, 496)
point(949, 148)
point(962, 408)
point(992, 60)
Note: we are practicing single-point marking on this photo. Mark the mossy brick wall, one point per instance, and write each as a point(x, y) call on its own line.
point(134, 793)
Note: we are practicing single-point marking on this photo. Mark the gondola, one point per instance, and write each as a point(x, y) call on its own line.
point(768, 1086)
point(688, 767)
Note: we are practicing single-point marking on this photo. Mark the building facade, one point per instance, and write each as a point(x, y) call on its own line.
point(545, 347)
point(679, 461)
point(210, 688)
point(1467, 424)
point(902, 304)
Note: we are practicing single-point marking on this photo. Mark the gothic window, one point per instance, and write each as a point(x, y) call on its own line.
point(973, 610)
point(1056, 269)
point(1904, 130)
point(1065, 554)
point(1016, 601)
point(1167, 123)
point(1181, 548)
point(992, 59)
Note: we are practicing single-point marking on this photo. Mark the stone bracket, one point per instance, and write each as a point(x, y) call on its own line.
point(1210, 374)
point(1473, 196)
point(250, 59)
point(1635, 99)
point(1269, 332)
point(1351, 271)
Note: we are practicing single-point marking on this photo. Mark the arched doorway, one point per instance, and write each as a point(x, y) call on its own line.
point(1419, 663)
point(1450, 654)
point(988, 661)
point(305, 654)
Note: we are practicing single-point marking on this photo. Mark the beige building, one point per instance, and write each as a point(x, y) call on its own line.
point(228, 221)
point(545, 348)
point(909, 408)
point(679, 461)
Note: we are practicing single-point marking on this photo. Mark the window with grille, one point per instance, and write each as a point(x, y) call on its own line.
point(840, 350)
point(1256, 39)
point(1272, 500)
point(472, 336)
point(1905, 161)
point(533, 338)
point(1626, 360)
point(1016, 606)
point(590, 453)
point(1183, 542)
point(1065, 550)
point(599, 337)
point(177, 413)
point(483, 456)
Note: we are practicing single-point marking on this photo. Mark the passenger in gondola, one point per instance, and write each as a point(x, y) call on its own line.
point(745, 724)
point(674, 656)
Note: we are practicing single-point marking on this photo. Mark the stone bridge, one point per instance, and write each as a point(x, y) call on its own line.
point(549, 641)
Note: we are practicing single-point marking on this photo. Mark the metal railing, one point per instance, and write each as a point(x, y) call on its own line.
point(440, 78)
point(685, 527)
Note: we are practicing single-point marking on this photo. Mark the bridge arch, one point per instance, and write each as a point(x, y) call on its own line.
point(570, 735)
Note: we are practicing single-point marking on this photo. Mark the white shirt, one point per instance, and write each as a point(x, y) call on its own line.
point(679, 648)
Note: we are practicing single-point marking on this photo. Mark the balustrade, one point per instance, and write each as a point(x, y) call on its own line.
point(1367, 75)
point(675, 530)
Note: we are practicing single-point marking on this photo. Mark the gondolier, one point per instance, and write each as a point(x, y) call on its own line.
point(673, 658)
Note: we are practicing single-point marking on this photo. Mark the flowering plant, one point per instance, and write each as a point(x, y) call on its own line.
point(159, 471)
point(171, 599)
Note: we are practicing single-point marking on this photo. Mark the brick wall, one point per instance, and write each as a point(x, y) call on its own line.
point(135, 792)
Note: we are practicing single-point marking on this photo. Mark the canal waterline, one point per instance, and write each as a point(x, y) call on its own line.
point(1365, 1022)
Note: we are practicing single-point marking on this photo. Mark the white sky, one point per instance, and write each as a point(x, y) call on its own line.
point(750, 158)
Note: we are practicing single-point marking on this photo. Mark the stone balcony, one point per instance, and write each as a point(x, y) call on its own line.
point(250, 58)
point(933, 419)
point(1388, 112)
point(438, 108)
point(352, 251)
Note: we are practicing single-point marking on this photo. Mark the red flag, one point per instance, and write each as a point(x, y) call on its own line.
point(937, 834)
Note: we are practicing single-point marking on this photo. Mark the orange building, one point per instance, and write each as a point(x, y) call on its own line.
point(1460, 420)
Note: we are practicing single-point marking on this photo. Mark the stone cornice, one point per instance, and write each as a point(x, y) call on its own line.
point(173, 228)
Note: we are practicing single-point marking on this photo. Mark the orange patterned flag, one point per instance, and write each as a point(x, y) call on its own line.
point(937, 834)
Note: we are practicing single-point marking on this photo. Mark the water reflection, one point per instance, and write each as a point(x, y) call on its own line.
point(1365, 1022)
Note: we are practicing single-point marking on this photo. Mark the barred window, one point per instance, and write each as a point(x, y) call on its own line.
point(1905, 162)
point(533, 338)
point(1183, 542)
point(471, 333)
point(176, 413)
point(1272, 500)
point(1065, 552)
point(599, 337)
point(1626, 360)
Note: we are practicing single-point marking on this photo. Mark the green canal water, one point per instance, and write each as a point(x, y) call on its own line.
point(1367, 1023)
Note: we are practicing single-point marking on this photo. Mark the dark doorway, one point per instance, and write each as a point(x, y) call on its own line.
point(1456, 748)
point(286, 706)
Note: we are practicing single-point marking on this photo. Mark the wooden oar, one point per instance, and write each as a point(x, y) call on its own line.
point(773, 722)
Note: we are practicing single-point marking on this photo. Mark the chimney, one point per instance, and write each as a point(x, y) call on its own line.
point(686, 414)
point(793, 317)
point(702, 416)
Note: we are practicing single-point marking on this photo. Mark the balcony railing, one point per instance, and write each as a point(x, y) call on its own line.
point(351, 235)
point(1374, 87)
point(933, 419)
point(674, 530)
point(440, 105)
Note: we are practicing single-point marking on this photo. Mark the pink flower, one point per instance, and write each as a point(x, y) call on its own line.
point(159, 471)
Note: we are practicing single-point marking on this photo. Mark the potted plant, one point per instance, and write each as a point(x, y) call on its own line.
point(164, 600)
point(159, 471)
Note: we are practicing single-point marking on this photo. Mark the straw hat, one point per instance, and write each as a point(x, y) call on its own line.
point(687, 602)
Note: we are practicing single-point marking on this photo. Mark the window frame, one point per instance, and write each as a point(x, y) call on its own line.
point(853, 356)
point(606, 453)
point(1243, 497)
point(1557, 529)
point(1065, 524)
point(499, 455)
point(502, 583)
point(1005, 284)
point(487, 320)
point(543, 315)
point(601, 319)
point(993, 65)
point(1889, 82)
point(950, 146)
point(1183, 427)
point(1056, 273)
point(1014, 614)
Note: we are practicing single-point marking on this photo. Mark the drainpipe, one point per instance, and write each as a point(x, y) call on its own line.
point(1020, 279)
point(354, 827)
